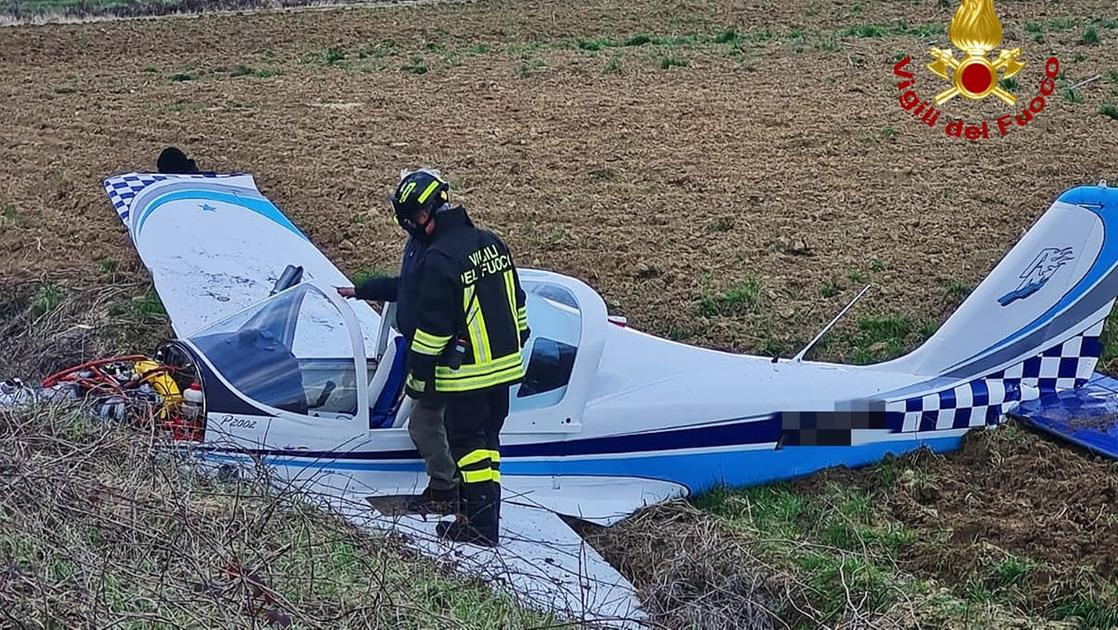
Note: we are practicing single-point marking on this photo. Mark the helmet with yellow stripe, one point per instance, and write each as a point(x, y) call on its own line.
point(418, 192)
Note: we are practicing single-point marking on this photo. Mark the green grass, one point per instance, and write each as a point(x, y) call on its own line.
point(1071, 96)
point(334, 55)
point(1010, 85)
point(728, 36)
point(1109, 110)
point(369, 273)
point(880, 338)
point(1034, 27)
point(877, 265)
point(1090, 36)
point(179, 77)
point(669, 61)
point(639, 39)
point(829, 290)
point(46, 299)
point(958, 290)
point(9, 217)
point(833, 539)
point(741, 298)
point(415, 66)
point(613, 66)
point(149, 306)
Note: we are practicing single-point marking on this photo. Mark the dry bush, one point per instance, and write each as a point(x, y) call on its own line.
point(689, 570)
point(101, 526)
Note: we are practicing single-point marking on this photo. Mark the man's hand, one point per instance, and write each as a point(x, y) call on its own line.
point(346, 292)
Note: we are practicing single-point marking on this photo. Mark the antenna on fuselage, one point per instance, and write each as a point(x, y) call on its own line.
point(815, 340)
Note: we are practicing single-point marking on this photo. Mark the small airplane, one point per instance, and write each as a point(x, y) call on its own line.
point(608, 419)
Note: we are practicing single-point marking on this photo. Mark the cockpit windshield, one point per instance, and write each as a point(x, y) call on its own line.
point(292, 352)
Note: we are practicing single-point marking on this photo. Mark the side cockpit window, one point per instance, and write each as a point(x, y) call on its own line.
point(549, 368)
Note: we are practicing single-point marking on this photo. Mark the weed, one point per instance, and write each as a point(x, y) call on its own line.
point(106, 266)
point(1088, 610)
point(675, 333)
point(640, 39)
point(241, 70)
point(958, 290)
point(1012, 571)
point(479, 49)
point(865, 30)
point(773, 347)
point(594, 45)
point(669, 61)
point(829, 290)
point(1009, 85)
point(267, 73)
point(1090, 36)
point(529, 66)
point(9, 217)
point(740, 298)
point(1034, 27)
point(854, 276)
point(148, 306)
point(602, 174)
point(416, 66)
point(728, 36)
point(828, 43)
point(179, 77)
point(1071, 96)
point(877, 265)
point(1106, 109)
point(149, 70)
point(721, 224)
point(1061, 24)
point(613, 66)
point(368, 273)
point(46, 299)
point(64, 89)
point(334, 55)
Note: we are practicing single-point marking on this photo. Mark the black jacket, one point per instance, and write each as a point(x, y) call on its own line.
point(402, 289)
point(469, 295)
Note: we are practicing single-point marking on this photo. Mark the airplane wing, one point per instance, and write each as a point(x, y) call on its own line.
point(541, 561)
point(215, 245)
point(1087, 416)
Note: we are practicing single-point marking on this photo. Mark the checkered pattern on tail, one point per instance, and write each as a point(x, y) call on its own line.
point(982, 401)
point(122, 189)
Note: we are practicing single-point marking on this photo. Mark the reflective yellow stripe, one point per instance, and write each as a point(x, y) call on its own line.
point(416, 384)
point(510, 360)
point(485, 351)
point(473, 457)
point(510, 292)
point(495, 456)
point(495, 475)
point(480, 382)
point(478, 476)
point(428, 190)
point(426, 343)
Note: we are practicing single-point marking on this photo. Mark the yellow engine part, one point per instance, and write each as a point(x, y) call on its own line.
point(162, 383)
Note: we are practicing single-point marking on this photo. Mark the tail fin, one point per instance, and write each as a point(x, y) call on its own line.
point(1042, 308)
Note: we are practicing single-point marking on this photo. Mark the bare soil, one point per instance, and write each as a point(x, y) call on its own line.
point(1010, 495)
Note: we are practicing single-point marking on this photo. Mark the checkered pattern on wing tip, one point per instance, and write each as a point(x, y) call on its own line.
point(122, 189)
point(982, 401)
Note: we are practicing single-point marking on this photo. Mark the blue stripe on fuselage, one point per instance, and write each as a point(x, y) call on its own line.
point(260, 206)
point(698, 471)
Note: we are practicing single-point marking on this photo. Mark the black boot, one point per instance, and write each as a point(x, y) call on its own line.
point(434, 501)
point(478, 523)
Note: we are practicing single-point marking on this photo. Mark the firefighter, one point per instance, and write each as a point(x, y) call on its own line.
point(471, 326)
point(425, 424)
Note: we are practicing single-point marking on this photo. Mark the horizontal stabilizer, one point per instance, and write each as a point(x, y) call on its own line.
point(1087, 416)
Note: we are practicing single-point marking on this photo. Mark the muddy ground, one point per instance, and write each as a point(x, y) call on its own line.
point(743, 146)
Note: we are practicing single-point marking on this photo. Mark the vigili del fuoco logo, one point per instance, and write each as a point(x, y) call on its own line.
point(976, 32)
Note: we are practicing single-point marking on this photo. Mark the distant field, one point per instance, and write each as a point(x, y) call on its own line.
point(47, 10)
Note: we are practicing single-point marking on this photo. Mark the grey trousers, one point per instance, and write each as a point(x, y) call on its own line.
point(429, 434)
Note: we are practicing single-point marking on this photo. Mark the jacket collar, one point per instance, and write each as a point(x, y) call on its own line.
point(450, 220)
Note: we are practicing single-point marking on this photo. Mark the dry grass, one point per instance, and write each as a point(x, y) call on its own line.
point(99, 529)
